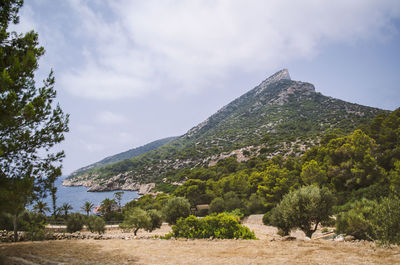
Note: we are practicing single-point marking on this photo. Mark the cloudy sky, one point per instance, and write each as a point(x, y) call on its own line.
point(130, 72)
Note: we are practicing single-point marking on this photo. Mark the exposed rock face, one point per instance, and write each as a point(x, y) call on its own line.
point(114, 183)
point(281, 75)
point(71, 183)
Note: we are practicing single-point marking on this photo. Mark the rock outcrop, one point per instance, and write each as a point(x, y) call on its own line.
point(114, 183)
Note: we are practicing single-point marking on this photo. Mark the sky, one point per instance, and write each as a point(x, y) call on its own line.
point(130, 72)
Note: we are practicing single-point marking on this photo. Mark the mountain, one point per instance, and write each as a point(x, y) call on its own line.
point(123, 156)
point(279, 116)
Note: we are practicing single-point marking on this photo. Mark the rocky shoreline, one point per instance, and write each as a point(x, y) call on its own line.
point(112, 184)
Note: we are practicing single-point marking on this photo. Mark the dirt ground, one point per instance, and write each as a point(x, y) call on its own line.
point(269, 249)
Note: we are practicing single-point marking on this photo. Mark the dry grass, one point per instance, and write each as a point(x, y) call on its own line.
point(155, 251)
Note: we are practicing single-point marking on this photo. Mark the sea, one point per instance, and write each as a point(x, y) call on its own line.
point(77, 196)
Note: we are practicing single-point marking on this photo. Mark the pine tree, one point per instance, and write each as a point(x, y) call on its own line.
point(30, 122)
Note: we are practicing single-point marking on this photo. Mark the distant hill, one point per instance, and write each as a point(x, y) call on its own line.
point(279, 116)
point(123, 156)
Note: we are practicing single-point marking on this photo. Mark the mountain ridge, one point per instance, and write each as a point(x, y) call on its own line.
point(123, 155)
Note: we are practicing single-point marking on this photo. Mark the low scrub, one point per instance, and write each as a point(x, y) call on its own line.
point(222, 226)
point(96, 224)
point(357, 220)
point(75, 222)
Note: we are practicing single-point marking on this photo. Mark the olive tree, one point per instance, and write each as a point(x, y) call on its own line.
point(175, 208)
point(304, 208)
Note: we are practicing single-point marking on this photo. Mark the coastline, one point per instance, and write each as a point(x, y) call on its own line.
point(110, 185)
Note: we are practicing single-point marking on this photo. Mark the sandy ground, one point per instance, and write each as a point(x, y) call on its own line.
point(269, 249)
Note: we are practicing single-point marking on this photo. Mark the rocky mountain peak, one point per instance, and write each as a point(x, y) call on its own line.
point(280, 75)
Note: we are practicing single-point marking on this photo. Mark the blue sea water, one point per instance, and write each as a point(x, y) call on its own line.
point(77, 196)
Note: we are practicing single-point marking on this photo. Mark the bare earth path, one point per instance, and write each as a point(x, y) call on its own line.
point(155, 251)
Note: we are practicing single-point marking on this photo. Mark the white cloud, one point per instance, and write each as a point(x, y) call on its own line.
point(110, 118)
point(185, 46)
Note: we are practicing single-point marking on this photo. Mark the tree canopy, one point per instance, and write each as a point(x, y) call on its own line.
point(31, 123)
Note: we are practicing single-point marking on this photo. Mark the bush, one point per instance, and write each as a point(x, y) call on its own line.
point(156, 219)
point(96, 224)
point(75, 222)
point(232, 201)
point(304, 208)
point(386, 221)
point(175, 208)
point(217, 205)
point(266, 218)
point(215, 226)
point(356, 221)
point(254, 205)
point(35, 227)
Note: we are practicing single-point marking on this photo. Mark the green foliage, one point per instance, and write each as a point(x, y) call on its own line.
point(254, 205)
point(212, 226)
point(350, 162)
point(156, 219)
point(266, 219)
point(275, 182)
point(356, 221)
point(30, 122)
point(35, 227)
point(96, 224)
point(75, 222)
point(41, 207)
point(386, 225)
point(147, 202)
point(217, 205)
point(304, 208)
point(194, 190)
point(232, 201)
point(394, 178)
point(175, 208)
point(313, 173)
point(138, 218)
point(87, 207)
point(107, 206)
point(385, 129)
point(65, 208)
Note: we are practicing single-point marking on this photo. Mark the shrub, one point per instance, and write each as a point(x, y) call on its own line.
point(386, 221)
point(215, 226)
point(266, 218)
point(217, 205)
point(304, 208)
point(175, 208)
point(232, 201)
point(96, 224)
point(356, 221)
point(35, 226)
point(75, 222)
point(254, 204)
point(156, 219)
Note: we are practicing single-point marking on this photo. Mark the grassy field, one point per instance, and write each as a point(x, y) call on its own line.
point(269, 249)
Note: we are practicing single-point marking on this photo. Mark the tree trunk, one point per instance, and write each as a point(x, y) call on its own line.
point(134, 232)
point(309, 232)
point(15, 228)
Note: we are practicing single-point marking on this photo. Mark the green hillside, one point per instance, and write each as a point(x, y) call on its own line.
point(279, 116)
point(123, 156)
